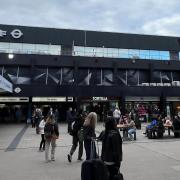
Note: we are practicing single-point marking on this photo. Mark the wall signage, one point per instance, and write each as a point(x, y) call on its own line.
point(14, 99)
point(100, 98)
point(16, 33)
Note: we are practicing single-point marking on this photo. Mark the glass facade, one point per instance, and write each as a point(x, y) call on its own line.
point(23, 48)
point(88, 77)
point(121, 53)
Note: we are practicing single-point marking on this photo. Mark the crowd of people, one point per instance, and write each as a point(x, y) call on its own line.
point(82, 128)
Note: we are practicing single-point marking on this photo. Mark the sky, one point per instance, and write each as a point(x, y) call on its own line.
point(157, 17)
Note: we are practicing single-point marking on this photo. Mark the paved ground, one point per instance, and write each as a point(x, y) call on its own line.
point(143, 160)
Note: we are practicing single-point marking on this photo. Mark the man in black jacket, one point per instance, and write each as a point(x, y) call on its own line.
point(77, 133)
point(111, 148)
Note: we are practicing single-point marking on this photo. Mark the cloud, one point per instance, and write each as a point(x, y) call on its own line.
point(137, 16)
point(163, 26)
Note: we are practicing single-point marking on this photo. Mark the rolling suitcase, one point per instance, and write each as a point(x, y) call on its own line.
point(94, 169)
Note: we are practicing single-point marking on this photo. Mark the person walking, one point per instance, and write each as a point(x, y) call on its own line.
point(117, 115)
point(89, 133)
point(77, 137)
point(112, 148)
point(41, 131)
point(51, 133)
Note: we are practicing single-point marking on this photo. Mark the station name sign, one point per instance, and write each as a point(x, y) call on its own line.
point(15, 33)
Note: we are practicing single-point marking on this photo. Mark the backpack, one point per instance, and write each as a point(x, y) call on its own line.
point(48, 130)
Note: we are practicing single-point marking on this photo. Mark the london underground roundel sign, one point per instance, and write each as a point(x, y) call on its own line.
point(16, 33)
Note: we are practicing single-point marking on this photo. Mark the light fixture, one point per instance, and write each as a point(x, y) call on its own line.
point(10, 56)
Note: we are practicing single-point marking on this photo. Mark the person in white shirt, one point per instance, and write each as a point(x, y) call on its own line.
point(41, 131)
point(117, 115)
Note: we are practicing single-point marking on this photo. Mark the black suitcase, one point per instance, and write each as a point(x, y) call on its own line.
point(119, 177)
point(94, 169)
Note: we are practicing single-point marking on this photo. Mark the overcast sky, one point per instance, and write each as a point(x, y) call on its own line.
point(160, 17)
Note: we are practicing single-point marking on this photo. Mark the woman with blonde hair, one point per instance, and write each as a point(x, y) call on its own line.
point(89, 133)
point(51, 133)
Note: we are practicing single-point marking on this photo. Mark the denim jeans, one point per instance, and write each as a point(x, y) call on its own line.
point(130, 132)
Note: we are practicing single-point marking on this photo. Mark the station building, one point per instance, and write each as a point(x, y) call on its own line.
point(80, 68)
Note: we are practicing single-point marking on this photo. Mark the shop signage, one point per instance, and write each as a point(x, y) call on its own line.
point(14, 99)
point(5, 85)
point(100, 98)
point(16, 33)
point(49, 99)
point(142, 99)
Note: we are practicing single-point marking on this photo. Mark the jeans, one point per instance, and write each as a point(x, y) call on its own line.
point(130, 132)
point(42, 143)
point(51, 142)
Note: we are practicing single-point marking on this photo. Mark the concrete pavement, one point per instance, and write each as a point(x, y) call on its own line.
point(143, 159)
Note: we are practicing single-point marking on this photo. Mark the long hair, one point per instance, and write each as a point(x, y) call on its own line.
point(50, 119)
point(91, 119)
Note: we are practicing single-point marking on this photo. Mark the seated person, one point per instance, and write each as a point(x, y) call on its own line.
point(167, 121)
point(131, 128)
point(154, 123)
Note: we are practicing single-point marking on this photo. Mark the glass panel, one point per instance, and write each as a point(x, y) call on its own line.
point(144, 54)
point(15, 48)
point(79, 51)
point(41, 49)
point(54, 76)
point(121, 77)
point(95, 76)
point(90, 51)
point(176, 76)
point(10, 73)
point(164, 55)
point(54, 49)
point(29, 48)
point(67, 76)
point(83, 78)
point(143, 77)
point(134, 53)
point(107, 77)
point(166, 77)
point(156, 77)
point(4, 47)
point(123, 53)
point(132, 77)
point(99, 52)
point(39, 75)
point(154, 55)
point(24, 76)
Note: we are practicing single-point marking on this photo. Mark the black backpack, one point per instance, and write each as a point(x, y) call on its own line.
point(48, 130)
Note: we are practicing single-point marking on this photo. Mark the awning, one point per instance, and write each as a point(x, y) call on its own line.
point(5, 85)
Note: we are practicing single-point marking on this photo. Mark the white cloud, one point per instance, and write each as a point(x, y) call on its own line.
point(163, 26)
point(134, 16)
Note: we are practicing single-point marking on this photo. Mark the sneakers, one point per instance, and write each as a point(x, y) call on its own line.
point(52, 159)
point(69, 157)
